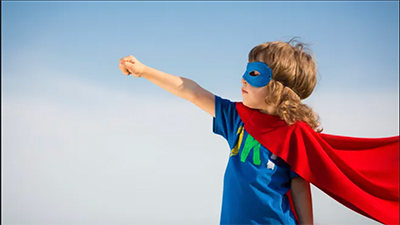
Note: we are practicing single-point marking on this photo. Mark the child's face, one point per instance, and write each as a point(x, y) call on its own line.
point(254, 97)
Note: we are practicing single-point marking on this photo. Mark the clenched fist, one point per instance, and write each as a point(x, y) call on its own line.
point(130, 65)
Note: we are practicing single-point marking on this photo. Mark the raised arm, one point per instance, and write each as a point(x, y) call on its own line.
point(179, 86)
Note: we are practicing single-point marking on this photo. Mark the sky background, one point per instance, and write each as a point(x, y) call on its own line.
point(84, 144)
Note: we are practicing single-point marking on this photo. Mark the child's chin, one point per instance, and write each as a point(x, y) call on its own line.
point(248, 105)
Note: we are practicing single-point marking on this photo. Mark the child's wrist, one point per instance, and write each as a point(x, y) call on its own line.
point(145, 72)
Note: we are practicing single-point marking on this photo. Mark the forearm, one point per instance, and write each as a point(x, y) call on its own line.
point(179, 86)
point(301, 194)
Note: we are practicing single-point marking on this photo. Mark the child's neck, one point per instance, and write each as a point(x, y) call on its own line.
point(270, 110)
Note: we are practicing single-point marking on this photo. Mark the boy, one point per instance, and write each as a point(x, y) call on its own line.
point(268, 173)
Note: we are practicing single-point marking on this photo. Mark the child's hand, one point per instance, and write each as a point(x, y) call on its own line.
point(130, 65)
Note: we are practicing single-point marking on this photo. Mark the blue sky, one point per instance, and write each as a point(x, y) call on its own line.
point(63, 97)
point(355, 42)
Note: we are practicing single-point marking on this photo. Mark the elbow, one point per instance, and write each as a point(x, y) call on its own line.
point(187, 89)
point(180, 84)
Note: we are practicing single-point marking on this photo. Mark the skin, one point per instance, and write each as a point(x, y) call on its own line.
point(253, 97)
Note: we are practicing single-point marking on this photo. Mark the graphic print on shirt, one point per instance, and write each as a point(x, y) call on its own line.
point(250, 143)
point(235, 149)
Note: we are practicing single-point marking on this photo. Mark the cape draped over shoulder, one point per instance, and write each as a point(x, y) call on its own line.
point(360, 173)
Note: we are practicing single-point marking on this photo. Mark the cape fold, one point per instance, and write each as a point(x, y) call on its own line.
point(360, 173)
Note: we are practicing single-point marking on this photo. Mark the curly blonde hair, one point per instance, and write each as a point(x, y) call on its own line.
point(294, 76)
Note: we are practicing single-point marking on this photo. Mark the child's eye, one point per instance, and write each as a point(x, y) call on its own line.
point(254, 73)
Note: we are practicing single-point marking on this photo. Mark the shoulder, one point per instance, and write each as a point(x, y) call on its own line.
point(226, 112)
point(301, 125)
point(301, 131)
point(244, 112)
point(227, 107)
point(224, 101)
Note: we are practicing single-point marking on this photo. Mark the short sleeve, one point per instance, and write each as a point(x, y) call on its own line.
point(293, 174)
point(227, 120)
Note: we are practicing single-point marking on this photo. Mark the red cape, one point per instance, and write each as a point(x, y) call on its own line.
point(360, 173)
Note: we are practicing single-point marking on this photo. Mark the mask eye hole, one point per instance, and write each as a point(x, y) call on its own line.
point(254, 73)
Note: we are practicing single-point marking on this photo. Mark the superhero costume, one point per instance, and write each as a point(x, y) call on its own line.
point(255, 180)
point(360, 173)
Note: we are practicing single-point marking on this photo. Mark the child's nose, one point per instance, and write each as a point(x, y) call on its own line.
point(243, 81)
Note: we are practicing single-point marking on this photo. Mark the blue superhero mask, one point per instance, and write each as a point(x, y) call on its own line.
point(260, 80)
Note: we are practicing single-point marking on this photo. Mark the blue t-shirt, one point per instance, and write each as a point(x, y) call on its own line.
point(255, 181)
